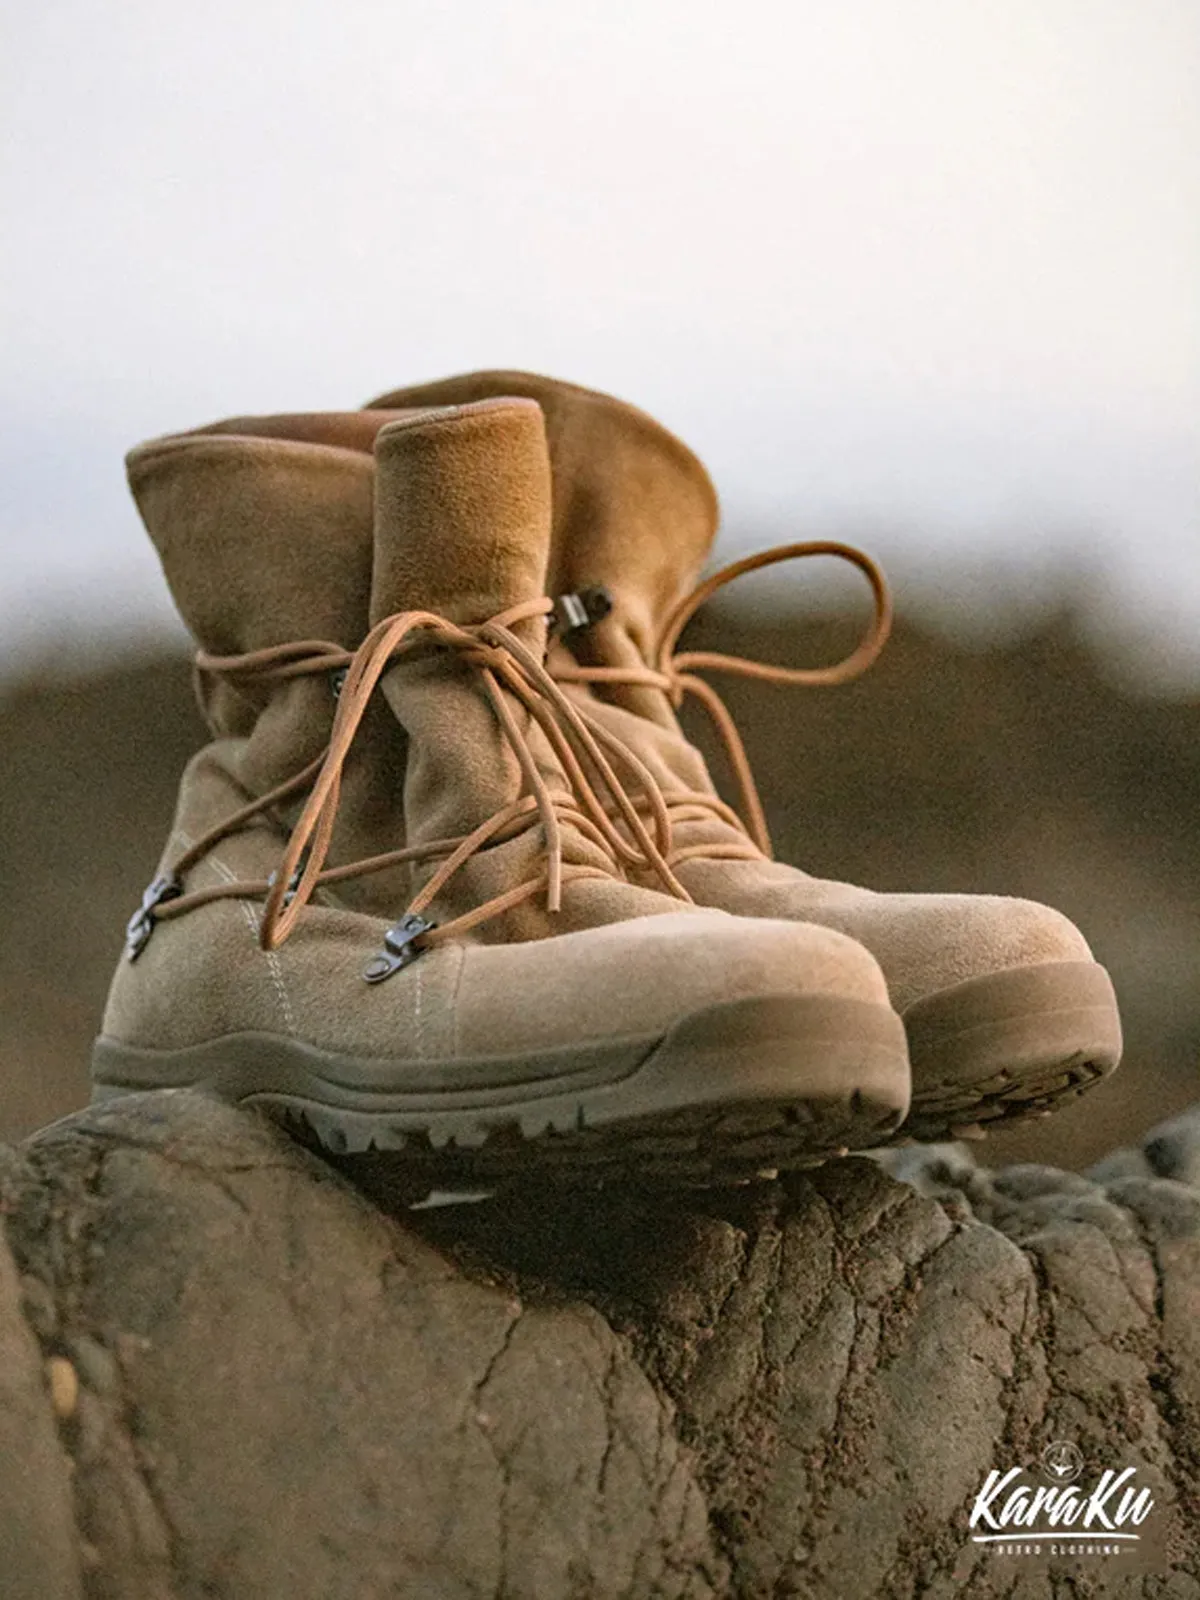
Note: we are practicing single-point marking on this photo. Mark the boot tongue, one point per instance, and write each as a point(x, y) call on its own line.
point(633, 509)
point(463, 513)
point(463, 530)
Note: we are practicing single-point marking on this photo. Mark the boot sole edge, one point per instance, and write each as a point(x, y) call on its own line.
point(772, 1082)
point(1009, 1046)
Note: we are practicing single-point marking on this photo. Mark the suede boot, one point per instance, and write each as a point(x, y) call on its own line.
point(1006, 1011)
point(372, 633)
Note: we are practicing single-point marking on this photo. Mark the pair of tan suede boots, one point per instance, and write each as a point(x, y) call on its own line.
point(451, 883)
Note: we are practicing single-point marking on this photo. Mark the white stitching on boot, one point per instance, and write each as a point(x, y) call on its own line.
point(453, 1005)
point(253, 920)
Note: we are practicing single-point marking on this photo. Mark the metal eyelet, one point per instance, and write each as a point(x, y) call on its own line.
point(289, 893)
point(141, 924)
point(580, 609)
point(400, 948)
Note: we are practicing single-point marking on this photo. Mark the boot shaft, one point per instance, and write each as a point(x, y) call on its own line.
point(633, 510)
point(263, 529)
point(263, 526)
point(462, 530)
point(462, 513)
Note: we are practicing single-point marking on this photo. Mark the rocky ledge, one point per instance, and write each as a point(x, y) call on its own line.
point(228, 1369)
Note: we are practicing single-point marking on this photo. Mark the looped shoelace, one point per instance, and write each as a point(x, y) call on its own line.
point(508, 669)
point(675, 673)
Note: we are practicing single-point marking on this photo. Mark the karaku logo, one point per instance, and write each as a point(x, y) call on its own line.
point(1017, 1515)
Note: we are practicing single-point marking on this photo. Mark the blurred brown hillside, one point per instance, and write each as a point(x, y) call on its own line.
point(1021, 770)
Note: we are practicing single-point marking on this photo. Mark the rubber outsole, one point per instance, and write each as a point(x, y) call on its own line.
point(1009, 1045)
point(748, 1085)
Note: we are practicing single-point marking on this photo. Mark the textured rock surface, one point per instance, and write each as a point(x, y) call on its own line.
point(227, 1371)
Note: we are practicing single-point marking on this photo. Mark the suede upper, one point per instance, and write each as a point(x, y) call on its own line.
point(204, 975)
point(463, 513)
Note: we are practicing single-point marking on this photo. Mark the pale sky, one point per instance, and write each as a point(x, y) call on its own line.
point(922, 272)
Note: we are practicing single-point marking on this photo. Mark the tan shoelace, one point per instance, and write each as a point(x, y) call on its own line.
point(507, 668)
point(674, 672)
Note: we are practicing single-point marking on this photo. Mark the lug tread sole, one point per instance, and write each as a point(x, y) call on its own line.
point(723, 1094)
point(700, 1146)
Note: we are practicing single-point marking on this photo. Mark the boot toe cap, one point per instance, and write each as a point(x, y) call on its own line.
point(645, 974)
point(931, 942)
